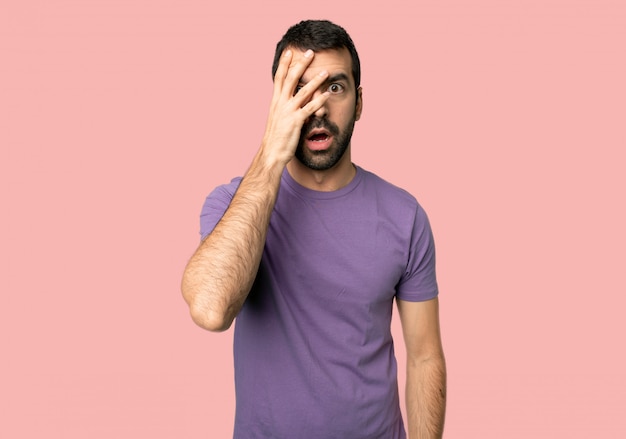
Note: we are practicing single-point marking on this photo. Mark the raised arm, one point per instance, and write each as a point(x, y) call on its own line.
point(219, 275)
point(426, 369)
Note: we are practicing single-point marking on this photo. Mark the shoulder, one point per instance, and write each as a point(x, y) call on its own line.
point(395, 205)
point(216, 204)
point(385, 186)
point(390, 195)
point(226, 190)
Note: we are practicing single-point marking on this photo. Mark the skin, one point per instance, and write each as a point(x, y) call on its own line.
point(425, 369)
point(343, 107)
point(220, 274)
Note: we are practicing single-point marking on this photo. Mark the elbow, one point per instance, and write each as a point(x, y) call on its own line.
point(206, 316)
point(211, 321)
point(434, 357)
point(203, 311)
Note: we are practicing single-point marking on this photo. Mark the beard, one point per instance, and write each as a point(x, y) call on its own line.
point(324, 160)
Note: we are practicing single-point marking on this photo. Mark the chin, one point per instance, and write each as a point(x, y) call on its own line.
point(320, 160)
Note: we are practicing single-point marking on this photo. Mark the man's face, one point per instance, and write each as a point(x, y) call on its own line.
point(326, 135)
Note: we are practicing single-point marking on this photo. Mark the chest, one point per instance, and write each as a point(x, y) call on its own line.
point(337, 249)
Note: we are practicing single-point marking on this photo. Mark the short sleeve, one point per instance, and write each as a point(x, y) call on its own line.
point(215, 206)
point(419, 282)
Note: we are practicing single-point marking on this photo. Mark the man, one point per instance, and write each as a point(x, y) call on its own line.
point(308, 252)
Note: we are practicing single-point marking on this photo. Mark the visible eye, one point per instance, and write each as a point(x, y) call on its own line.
point(298, 88)
point(335, 88)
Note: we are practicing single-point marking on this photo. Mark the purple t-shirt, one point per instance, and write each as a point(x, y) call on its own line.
point(314, 355)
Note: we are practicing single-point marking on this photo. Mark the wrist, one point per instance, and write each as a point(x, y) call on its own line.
point(270, 158)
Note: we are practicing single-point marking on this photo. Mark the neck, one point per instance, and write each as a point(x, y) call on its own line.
point(324, 181)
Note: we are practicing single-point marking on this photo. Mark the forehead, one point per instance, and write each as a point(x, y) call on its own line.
point(332, 60)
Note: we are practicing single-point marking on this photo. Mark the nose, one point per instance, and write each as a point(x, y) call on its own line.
point(323, 110)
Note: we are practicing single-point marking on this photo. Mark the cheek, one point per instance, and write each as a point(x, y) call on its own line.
point(343, 118)
point(346, 112)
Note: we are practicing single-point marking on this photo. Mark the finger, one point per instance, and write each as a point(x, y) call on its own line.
point(294, 74)
point(315, 104)
point(281, 71)
point(307, 91)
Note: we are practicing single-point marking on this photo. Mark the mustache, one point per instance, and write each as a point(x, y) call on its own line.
point(318, 122)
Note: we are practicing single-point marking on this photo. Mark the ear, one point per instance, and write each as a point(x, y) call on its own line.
point(359, 103)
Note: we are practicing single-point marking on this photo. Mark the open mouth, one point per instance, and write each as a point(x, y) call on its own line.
point(319, 140)
point(318, 137)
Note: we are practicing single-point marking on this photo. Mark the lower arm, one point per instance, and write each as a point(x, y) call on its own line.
point(220, 274)
point(426, 397)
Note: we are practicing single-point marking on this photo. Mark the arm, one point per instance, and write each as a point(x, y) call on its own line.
point(219, 275)
point(426, 368)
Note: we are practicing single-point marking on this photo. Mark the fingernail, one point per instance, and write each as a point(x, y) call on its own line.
point(308, 53)
point(288, 52)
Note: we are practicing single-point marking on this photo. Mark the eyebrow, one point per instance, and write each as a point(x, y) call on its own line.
point(334, 78)
point(338, 77)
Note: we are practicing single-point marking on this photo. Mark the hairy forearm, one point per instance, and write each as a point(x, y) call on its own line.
point(221, 272)
point(426, 397)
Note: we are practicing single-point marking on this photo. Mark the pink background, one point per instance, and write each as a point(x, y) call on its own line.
point(505, 118)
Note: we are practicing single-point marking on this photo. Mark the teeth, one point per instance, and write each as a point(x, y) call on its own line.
point(318, 137)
